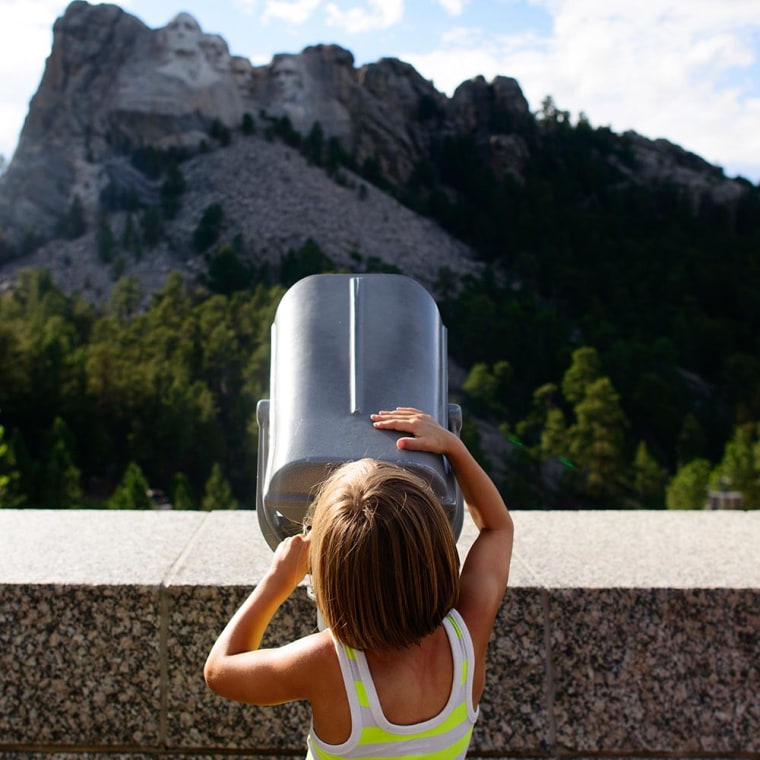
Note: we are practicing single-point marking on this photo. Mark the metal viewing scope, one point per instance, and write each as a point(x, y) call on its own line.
point(345, 346)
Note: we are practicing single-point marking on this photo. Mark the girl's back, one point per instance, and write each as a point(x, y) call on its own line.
point(411, 702)
point(413, 685)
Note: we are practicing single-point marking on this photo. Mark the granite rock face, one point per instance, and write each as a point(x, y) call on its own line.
point(112, 85)
point(662, 161)
point(284, 202)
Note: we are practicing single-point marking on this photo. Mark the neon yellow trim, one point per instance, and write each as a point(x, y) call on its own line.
point(361, 694)
point(373, 735)
point(457, 629)
point(449, 753)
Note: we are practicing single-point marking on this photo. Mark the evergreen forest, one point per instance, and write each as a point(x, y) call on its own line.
point(613, 340)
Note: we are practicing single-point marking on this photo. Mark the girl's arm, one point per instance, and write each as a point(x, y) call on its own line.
point(236, 668)
point(486, 569)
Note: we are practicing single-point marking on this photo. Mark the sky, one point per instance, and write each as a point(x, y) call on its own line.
point(684, 70)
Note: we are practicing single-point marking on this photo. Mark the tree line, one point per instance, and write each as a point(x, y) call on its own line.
point(102, 404)
point(126, 406)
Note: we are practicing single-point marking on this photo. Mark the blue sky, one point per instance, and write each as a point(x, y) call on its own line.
point(685, 70)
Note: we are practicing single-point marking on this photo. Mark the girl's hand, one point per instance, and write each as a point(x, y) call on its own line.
point(427, 433)
point(291, 561)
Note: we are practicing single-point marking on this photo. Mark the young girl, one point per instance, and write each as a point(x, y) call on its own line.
point(400, 668)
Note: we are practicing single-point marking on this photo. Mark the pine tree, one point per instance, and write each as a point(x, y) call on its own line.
point(60, 477)
point(648, 478)
point(595, 441)
point(24, 480)
point(209, 227)
point(132, 491)
point(171, 191)
point(9, 475)
point(74, 224)
point(130, 239)
point(740, 464)
point(691, 442)
point(487, 386)
point(218, 493)
point(152, 226)
point(126, 296)
point(182, 492)
point(105, 240)
point(688, 487)
point(248, 126)
point(553, 441)
point(314, 144)
point(584, 370)
point(227, 272)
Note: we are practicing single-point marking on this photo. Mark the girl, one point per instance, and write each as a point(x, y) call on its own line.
point(400, 668)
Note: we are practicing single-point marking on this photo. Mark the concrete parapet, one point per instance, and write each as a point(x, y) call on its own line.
point(622, 634)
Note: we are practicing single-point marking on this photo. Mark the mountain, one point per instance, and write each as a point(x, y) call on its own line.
point(115, 94)
point(601, 291)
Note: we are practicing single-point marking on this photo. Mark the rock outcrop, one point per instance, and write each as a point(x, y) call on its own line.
point(662, 161)
point(112, 85)
point(274, 201)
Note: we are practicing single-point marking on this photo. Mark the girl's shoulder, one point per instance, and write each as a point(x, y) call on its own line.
point(311, 655)
point(319, 665)
point(304, 669)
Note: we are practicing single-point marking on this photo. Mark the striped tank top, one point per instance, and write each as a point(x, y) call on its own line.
point(444, 737)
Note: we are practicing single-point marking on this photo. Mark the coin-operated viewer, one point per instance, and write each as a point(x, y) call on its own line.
point(344, 346)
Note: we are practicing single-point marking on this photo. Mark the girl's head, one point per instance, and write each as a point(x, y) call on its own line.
point(384, 563)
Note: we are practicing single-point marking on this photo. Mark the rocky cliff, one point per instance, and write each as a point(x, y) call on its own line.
point(112, 85)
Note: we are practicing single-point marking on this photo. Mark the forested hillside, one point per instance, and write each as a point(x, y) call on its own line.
point(661, 293)
point(614, 336)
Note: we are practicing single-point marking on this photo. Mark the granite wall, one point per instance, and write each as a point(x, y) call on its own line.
point(630, 634)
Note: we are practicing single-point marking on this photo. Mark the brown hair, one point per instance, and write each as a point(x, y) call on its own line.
point(384, 563)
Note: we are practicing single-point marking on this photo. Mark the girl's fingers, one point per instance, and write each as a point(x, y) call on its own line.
point(409, 444)
point(403, 418)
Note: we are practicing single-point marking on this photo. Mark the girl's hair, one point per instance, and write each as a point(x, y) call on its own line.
point(384, 562)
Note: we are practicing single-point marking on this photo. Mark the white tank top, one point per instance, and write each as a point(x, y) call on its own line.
point(444, 737)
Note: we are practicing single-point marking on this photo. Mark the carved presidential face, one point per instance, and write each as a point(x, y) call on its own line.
point(182, 35)
point(287, 77)
point(216, 52)
point(241, 70)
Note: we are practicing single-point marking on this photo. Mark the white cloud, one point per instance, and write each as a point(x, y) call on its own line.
point(453, 7)
point(247, 6)
point(290, 11)
point(665, 68)
point(381, 14)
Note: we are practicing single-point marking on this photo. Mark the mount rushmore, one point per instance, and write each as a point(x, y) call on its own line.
point(112, 85)
point(111, 82)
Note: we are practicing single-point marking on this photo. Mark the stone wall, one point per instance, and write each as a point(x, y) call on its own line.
point(622, 634)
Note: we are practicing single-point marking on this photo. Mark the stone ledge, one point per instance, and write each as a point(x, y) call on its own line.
point(623, 633)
